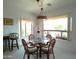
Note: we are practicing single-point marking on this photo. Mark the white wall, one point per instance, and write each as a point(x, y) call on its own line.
point(10, 10)
point(11, 28)
point(16, 15)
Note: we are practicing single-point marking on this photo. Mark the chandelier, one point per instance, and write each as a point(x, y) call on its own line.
point(42, 13)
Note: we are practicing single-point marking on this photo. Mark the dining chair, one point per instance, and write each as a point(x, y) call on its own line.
point(29, 50)
point(31, 36)
point(53, 42)
point(49, 49)
point(14, 37)
point(49, 36)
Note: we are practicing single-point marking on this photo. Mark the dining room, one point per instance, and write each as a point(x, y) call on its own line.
point(39, 29)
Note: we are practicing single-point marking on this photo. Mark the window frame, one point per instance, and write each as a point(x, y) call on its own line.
point(69, 26)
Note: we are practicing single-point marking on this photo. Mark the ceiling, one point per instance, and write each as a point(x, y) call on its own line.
point(31, 6)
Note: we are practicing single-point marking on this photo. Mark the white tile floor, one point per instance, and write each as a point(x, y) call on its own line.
point(60, 53)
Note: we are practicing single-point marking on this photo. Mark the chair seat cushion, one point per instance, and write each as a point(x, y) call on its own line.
point(46, 46)
point(32, 49)
point(44, 49)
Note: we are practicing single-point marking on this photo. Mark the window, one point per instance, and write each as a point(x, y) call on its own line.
point(56, 24)
point(28, 28)
point(57, 27)
point(25, 28)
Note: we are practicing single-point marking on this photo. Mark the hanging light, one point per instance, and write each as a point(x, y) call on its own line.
point(42, 13)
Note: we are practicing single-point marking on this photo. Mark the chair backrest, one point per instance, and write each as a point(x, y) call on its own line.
point(51, 45)
point(14, 35)
point(24, 44)
point(49, 36)
point(53, 41)
point(31, 36)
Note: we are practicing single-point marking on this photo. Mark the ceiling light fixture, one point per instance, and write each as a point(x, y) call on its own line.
point(42, 13)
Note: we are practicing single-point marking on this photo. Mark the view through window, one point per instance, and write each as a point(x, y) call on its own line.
point(57, 27)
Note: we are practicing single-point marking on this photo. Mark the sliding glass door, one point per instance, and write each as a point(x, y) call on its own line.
point(25, 28)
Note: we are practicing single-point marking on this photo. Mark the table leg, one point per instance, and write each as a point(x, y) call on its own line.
point(40, 51)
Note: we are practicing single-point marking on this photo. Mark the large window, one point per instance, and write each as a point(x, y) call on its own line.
point(56, 24)
point(25, 28)
point(57, 27)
